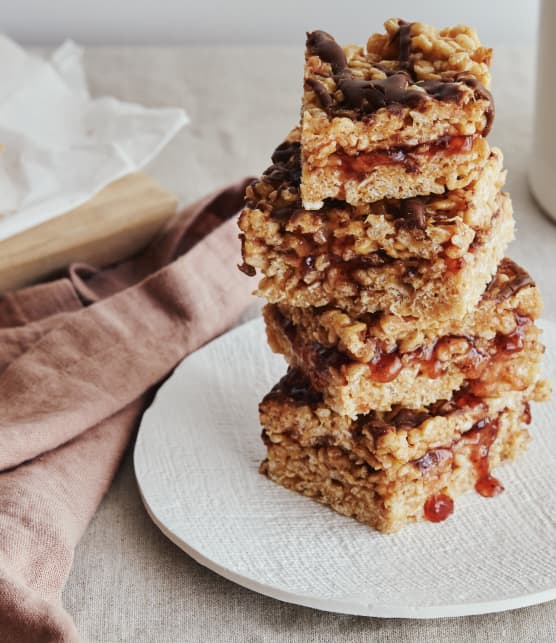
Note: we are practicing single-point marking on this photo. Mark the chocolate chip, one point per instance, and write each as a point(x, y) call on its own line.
point(408, 417)
point(281, 214)
point(266, 440)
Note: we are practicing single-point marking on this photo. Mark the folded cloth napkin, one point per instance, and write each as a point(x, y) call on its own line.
point(79, 360)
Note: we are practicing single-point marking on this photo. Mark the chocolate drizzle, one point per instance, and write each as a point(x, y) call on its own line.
point(321, 91)
point(286, 164)
point(364, 95)
point(323, 45)
point(404, 36)
point(412, 213)
point(400, 87)
point(296, 387)
point(508, 281)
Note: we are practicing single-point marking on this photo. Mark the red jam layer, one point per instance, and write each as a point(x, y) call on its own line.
point(359, 166)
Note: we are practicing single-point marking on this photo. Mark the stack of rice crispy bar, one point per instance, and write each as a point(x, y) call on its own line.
point(380, 231)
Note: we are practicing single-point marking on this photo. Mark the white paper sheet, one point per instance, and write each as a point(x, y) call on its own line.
point(60, 146)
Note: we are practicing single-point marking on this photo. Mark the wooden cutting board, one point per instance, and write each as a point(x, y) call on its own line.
point(114, 224)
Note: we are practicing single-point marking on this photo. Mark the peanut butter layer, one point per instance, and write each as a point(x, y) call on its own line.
point(406, 116)
point(387, 499)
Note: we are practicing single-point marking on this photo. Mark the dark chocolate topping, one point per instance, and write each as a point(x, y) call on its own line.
point(295, 386)
point(412, 213)
point(285, 152)
point(404, 36)
point(518, 279)
point(370, 95)
point(323, 45)
point(367, 96)
point(441, 89)
point(321, 91)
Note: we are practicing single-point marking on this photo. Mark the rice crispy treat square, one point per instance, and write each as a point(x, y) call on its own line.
point(405, 116)
point(387, 499)
point(378, 361)
point(381, 439)
point(429, 256)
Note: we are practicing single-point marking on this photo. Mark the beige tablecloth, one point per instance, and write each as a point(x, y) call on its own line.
point(131, 584)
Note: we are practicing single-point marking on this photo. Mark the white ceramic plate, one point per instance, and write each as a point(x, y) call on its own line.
point(196, 462)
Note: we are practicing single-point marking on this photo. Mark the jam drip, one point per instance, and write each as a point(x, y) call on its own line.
point(385, 367)
point(438, 507)
point(481, 438)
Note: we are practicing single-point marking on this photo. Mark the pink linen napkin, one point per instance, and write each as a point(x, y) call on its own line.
point(79, 360)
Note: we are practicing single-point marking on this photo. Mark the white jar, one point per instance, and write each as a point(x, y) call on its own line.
point(542, 169)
